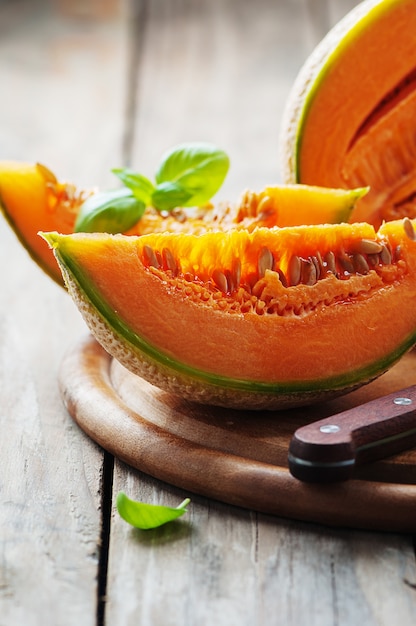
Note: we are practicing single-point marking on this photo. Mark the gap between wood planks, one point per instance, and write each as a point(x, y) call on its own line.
point(106, 508)
point(411, 583)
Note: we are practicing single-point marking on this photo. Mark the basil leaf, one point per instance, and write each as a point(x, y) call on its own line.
point(168, 196)
point(146, 516)
point(109, 212)
point(140, 185)
point(199, 168)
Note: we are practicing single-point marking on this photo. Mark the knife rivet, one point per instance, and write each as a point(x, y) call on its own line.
point(329, 428)
point(402, 401)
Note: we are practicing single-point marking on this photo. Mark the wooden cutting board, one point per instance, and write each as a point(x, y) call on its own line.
point(234, 456)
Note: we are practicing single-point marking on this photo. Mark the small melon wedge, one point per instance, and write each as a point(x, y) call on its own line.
point(31, 198)
point(261, 320)
point(296, 205)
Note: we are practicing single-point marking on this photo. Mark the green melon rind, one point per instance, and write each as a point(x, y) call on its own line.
point(144, 359)
point(311, 75)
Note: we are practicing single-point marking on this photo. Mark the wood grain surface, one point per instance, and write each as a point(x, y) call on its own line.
point(84, 90)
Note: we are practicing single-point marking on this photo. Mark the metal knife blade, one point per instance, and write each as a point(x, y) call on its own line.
point(328, 450)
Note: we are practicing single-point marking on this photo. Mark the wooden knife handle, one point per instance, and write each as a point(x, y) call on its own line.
point(330, 449)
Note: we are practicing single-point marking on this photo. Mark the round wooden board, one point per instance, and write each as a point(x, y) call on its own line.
point(237, 457)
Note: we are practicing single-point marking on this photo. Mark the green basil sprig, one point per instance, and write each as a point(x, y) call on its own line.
point(198, 169)
point(146, 516)
point(188, 175)
point(109, 211)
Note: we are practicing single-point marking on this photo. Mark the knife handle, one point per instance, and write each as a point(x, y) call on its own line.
point(328, 450)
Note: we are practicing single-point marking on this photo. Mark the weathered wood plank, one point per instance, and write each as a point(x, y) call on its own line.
point(50, 482)
point(63, 90)
point(224, 565)
point(62, 104)
point(220, 71)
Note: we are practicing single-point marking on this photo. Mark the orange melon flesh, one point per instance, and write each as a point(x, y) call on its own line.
point(350, 117)
point(282, 347)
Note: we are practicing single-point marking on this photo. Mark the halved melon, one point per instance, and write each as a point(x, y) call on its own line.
point(32, 199)
point(350, 117)
point(262, 320)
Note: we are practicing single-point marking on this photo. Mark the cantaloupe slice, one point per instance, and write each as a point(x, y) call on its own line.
point(350, 117)
point(261, 320)
point(31, 198)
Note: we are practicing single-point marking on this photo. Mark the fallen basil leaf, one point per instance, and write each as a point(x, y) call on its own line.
point(168, 196)
point(109, 212)
point(146, 516)
point(140, 185)
point(199, 168)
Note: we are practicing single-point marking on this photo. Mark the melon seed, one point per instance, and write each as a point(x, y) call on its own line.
point(308, 273)
point(220, 280)
point(373, 259)
point(360, 264)
point(346, 263)
point(159, 258)
point(265, 261)
point(385, 255)
point(236, 272)
point(330, 262)
point(294, 270)
point(150, 256)
point(317, 264)
point(264, 206)
point(282, 277)
point(169, 261)
point(230, 280)
point(408, 228)
point(368, 246)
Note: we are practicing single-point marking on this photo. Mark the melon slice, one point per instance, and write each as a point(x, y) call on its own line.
point(350, 117)
point(262, 320)
point(32, 199)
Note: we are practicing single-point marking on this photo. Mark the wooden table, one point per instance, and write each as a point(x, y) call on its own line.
point(86, 86)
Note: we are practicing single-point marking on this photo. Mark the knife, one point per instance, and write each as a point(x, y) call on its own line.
point(329, 450)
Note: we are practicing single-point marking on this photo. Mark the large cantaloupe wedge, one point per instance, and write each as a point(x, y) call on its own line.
point(264, 320)
point(351, 116)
